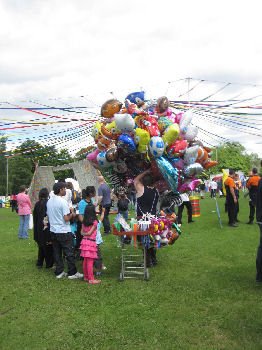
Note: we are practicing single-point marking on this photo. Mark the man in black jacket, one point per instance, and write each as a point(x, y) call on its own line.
point(259, 221)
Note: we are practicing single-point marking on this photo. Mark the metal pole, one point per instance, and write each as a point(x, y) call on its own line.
point(188, 83)
point(7, 177)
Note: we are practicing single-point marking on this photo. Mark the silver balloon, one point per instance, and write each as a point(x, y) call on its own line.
point(190, 155)
point(193, 169)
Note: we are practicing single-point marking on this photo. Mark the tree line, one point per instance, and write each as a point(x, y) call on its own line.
point(18, 166)
point(22, 161)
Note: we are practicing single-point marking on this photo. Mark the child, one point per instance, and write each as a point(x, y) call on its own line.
point(88, 245)
point(122, 204)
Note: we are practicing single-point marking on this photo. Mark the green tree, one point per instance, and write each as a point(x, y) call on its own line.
point(232, 155)
point(20, 172)
point(3, 164)
point(44, 155)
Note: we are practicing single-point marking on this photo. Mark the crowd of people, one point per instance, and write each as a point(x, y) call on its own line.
point(67, 226)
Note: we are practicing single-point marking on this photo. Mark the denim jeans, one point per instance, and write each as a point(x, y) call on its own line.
point(124, 214)
point(23, 227)
point(132, 199)
point(259, 257)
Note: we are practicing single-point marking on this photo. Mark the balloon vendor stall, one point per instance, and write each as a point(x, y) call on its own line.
point(137, 135)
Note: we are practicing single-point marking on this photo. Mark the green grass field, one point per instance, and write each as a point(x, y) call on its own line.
point(201, 295)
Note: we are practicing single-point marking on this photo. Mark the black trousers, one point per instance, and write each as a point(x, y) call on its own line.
point(232, 210)
point(180, 211)
point(252, 207)
point(45, 252)
point(64, 242)
point(106, 222)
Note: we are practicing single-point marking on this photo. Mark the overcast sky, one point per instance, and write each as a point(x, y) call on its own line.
point(70, 48)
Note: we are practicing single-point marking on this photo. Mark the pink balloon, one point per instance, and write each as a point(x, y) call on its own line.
point(93, 155)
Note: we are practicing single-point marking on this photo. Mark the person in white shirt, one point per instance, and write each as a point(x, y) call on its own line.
point(187, 203)
point(213, 188)
point(59, 216)
point(68, 194)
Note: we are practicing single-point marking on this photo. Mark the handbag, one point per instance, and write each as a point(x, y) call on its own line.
point(31, 223)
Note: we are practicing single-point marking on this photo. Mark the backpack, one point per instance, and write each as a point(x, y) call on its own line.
point(122, 204)
point(75, 197)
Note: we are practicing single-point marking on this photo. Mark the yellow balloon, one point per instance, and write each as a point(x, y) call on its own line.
point(171, 134)
point(142, 138)
point(225, 176)
point(96, 130)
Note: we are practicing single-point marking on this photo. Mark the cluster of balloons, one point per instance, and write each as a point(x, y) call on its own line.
point(137, 135)
point(165, 230)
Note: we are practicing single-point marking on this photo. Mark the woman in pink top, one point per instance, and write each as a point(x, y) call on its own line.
point(24, 211)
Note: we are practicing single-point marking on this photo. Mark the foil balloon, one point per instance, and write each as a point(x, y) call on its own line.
point(169, 173)
point(178, 163)
point(203, 158)
point(148, 123)
point(96, 131)
point(124, 122)
point(137, 97)
point(190, 155)
point(120, 167)
point(111, 154)
point(112, 128)
point(156, 146)
point(193, 169)
point(185, 120)
point(177, 149)
point(110, 107)
point(126, 144)
point(188, 186)
point(92, 157)
point(164, 123)
point(178, 118)
point(162, 106)
point(171, 134)
point(102, 161)
point(191, 133)
point(133, 109)
point(142, 139)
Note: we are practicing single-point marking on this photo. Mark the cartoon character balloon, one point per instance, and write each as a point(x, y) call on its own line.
point(102, 161)
point(110, 107)
point(124, 122)
point(142, 138)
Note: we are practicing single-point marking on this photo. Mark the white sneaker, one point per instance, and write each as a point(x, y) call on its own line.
point(62, 274)
point(76, 275)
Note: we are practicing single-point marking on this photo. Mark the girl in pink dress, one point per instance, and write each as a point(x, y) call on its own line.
point(88, 244)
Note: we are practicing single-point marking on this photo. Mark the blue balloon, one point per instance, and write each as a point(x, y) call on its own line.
point(135, 97)
point(169, 173)
point(126, 143)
